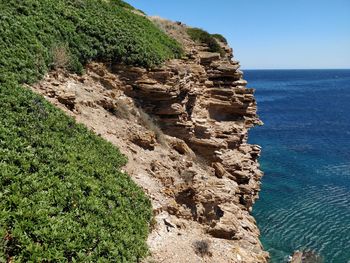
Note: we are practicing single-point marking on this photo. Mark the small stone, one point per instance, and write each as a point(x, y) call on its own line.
point(145, 139)
point(219, 170)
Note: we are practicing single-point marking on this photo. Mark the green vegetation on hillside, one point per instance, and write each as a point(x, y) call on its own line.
point(220, 38)
point(62, 195)
point(87, 29)
point(124, 4)
point(201, 36)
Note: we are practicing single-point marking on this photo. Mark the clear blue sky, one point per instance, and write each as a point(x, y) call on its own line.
point(269, 33)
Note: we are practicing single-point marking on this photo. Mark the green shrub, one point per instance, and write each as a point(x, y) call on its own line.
point(220, 38)
point(90, 29)
point(63, 197)
point(201, 36)
point(128, 6)
point(124, 4)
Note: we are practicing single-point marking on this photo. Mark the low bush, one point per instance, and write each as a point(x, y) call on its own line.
point(90, 29)
point(220, 38)
point(146, 121)
point(202, 247)
point(173, 29)
point(60, 57)
point(201, 36)
point(124, 4)
point(63, 197)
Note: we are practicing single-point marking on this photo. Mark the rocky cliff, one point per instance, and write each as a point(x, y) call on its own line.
point(184, 127)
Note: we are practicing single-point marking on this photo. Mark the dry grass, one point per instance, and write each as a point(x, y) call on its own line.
point(174, 29)
point(202, 248)
point(60, 57)
point(121, 110)
point(146, 121)
point(152, 223)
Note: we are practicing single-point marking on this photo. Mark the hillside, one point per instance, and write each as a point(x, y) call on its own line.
point(63, 196)
point(80, 80)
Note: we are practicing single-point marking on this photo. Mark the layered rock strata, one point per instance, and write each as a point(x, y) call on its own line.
point(198, 169)
point(204, 101)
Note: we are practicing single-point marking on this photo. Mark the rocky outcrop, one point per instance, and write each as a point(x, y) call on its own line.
point(203, 101)
point(198, 169)
point(307, 256)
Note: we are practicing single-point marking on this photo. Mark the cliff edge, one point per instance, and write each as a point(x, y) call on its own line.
point(184, 127)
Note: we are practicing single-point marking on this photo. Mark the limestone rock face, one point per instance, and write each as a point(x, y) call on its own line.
point(203, 101)
point(197, 167)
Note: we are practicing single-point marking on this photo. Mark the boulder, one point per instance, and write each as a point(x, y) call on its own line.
point(219, 169)
point(67, 98)
point(181, 147)
point(223, 231)
point(208, 57)
point(144, 139)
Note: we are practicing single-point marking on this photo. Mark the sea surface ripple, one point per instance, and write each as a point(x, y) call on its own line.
point(305, 197)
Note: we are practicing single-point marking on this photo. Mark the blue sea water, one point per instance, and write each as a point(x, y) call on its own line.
point(305, 197)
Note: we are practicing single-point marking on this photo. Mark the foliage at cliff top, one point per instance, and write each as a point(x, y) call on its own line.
point(220, 38)
point(202, 36)
point(62, 195)
point(85, 30)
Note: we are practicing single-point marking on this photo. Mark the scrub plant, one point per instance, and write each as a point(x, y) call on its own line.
point(220, 38)
point(202, 36)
